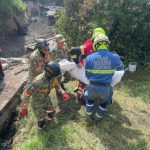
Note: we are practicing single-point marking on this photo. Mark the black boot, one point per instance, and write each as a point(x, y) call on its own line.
point(41, 124)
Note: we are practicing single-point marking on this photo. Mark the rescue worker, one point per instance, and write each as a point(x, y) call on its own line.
point(99, 68)
point(78, 55)
point(40, 90)
point(38, 58)
point(59, 51)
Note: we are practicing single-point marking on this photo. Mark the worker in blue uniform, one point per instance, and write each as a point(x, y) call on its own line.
point(99, 69)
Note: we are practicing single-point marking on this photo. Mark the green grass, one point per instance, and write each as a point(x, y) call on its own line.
point(126, 128)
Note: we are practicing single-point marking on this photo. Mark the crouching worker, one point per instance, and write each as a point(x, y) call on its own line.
point(39, 90)
point(100, 68)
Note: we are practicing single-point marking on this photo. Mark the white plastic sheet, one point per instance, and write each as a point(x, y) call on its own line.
point(79, 72)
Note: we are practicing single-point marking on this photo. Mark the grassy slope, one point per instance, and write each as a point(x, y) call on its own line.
point(126, 128)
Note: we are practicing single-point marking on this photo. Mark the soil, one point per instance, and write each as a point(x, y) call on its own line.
point(14, 46)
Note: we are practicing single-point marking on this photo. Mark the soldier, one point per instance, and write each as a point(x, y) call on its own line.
point(38, 58)
point(59, 51)
point(39, 90)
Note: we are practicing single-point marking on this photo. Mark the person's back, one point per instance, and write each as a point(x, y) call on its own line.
point(101, 65)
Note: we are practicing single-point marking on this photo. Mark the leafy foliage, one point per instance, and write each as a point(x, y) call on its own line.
point(7, 6)
point(7, 9)
point(126, 23)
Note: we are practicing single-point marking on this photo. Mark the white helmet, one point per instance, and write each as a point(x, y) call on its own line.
point(99, 40)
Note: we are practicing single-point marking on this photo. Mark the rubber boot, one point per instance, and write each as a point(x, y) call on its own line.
point(41, 124)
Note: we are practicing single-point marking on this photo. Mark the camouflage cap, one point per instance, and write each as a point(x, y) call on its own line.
point(59, 38)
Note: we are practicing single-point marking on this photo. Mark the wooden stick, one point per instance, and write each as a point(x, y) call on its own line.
point(33, 44)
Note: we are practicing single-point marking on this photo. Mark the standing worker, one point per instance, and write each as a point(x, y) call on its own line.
point(39, 90)
point(78, 55)
point(59, 51)
point(99, 68)
point(38, 58)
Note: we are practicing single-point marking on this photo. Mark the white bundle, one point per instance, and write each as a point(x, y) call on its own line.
point(79, 72)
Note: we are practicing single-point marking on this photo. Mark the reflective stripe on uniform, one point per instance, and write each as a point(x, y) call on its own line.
point(102, 108)
point(98, 116)
point(89, 113)
point(26, 93)
point(24, 103)
point(101, 71)
point(90, 105)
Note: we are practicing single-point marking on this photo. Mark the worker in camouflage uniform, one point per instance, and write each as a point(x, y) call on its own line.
point(38, 58)
point(40, 90)
point(59, 51)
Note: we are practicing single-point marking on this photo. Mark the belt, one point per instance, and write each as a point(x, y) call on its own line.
point(100, 84)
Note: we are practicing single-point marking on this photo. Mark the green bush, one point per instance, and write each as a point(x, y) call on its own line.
point(7, 6)
point(126, 23)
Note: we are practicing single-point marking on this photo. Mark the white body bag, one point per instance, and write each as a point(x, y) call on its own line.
point(79, 72)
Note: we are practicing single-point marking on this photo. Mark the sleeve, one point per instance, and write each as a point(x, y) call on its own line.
point(118, 63)
point(36, 65)
point(57, 86)
point(27, 93)
point(53, 52)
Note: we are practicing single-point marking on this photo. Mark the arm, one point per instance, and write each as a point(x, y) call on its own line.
point(65, 96)
point(25, 100)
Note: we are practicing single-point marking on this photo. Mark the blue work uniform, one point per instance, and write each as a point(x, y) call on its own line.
point(99, 68)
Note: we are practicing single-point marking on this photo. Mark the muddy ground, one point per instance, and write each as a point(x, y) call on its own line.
point(14, 46)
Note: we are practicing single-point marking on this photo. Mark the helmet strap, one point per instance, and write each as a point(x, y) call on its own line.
point(40, 50)
point(48, 75)
point(101, 45)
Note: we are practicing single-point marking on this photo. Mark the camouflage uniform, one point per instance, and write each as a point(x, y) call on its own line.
point(39, 90)
point(37, 62)
point(59, 53)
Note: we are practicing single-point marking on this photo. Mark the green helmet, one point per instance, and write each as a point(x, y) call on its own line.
point(98, 31)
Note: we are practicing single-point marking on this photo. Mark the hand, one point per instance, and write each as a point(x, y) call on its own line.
point(23, 113)
point(66, 97)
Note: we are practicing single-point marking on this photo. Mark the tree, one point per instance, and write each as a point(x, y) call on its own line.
point(126, 23)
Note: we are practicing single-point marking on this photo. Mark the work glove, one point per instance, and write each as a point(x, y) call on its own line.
point(66, 97)
point(23, 113)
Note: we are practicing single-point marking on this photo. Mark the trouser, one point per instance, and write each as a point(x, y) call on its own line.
point(80, 96)
point(98, 94)
point(41, 106)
